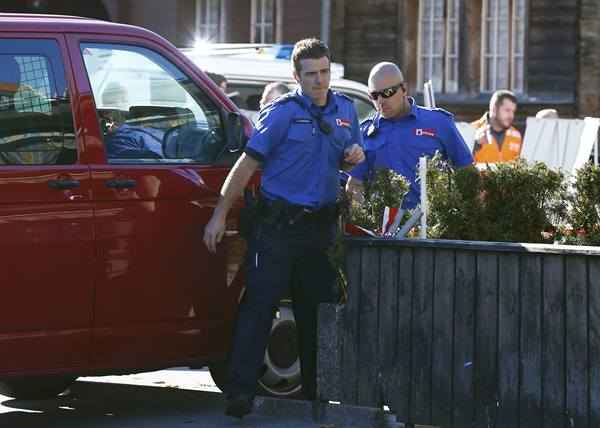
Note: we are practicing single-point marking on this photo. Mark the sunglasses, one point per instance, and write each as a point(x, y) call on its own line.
point(386, 93)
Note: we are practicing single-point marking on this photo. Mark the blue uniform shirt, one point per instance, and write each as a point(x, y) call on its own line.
point(300, 162)
point(398, 144)
point(134, 142)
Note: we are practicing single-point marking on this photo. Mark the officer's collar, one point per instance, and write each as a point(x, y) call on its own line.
point(412, 113)
point(308, 103)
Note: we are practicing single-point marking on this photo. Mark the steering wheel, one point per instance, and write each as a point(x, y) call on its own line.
point(189, 141)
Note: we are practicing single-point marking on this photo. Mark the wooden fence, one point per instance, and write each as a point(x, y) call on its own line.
point(473, 334)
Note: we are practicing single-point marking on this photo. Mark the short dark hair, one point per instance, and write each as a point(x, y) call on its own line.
point(309, 49)
point(499, 96)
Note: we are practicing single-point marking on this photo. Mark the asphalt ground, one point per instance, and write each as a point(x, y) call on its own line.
point(174, 398)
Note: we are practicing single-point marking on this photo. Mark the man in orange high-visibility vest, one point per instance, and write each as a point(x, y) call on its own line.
point(496, 140)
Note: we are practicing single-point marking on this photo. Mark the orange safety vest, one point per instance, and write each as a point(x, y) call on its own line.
point(487, 150)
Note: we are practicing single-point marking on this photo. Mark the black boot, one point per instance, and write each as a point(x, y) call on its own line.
point(239, 405)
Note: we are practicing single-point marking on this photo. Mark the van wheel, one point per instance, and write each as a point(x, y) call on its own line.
point(35, 388)
point(282, 377)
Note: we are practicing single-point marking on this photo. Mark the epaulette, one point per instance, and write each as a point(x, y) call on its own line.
point(367, 122)
point(367, 126)
point(341, 95)
point(285, 98)
point(441, 110)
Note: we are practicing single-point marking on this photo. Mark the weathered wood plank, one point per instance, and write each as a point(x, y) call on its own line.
point(368, 394)
point(464, 333)
point(401, 392)
point(350, 353)
point(443, 324)
point(388, 321)
point(530, 278)
point(594, 341)
point(553, 342)
point(479, 246)
point(486, 375)
point(568, 37)
point(508, 341)
point(577, 343)
point(422, 340)
point(536, 356)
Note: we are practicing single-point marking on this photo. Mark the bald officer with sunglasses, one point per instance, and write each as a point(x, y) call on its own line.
point(401, 132)
point(301, 141)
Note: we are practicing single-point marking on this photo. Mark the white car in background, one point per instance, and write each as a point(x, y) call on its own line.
point(249, 67)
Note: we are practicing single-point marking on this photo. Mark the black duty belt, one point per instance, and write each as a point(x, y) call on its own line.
point(280, 211)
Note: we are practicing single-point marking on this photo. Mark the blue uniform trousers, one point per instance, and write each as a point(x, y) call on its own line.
point(281, 256)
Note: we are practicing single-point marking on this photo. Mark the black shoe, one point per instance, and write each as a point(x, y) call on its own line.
point(239, 406)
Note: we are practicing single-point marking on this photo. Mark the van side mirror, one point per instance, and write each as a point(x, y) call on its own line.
point(236, 133)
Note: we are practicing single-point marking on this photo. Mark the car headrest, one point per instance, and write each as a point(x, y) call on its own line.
point(136, 112)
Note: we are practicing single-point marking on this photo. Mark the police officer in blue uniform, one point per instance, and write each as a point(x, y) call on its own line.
point(401, 132)
point(301, 141)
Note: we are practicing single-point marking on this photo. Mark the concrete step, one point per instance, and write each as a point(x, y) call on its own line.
point(328, 415)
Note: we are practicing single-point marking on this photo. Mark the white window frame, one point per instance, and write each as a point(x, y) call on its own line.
point(514, 52)
point(258, 24)
point(450, 45)
point(205, 28)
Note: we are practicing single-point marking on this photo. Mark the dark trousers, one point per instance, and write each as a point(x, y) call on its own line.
point(279, 257)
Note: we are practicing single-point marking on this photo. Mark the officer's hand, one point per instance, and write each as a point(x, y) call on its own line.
point(213, 232)
point(354, 155)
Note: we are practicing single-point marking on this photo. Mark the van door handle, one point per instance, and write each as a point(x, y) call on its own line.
point(63, 184)
point(122, 183)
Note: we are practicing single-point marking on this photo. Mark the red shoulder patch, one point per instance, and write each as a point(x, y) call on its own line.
point(430, 132)
point(343, 122)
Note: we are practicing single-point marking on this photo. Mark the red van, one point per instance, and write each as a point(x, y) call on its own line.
point(113, 148)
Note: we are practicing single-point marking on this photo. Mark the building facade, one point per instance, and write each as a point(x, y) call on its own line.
point(547, 51)
point(231, 21)
point(544, 50)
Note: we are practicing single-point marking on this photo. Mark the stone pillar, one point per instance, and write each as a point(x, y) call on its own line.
point(370, 32)
point(330, 351)
point(237, 21)
point(337, 41)
point(470, 47)
point(588, 81)
point(407, 35)
point(185, 35)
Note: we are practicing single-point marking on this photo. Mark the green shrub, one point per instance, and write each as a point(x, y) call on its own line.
point(584, 213)
point(386, 189)
point(512, 202)
point(455, 208)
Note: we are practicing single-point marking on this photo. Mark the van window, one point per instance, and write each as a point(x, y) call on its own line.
point(149, 111)
point(36, 122)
